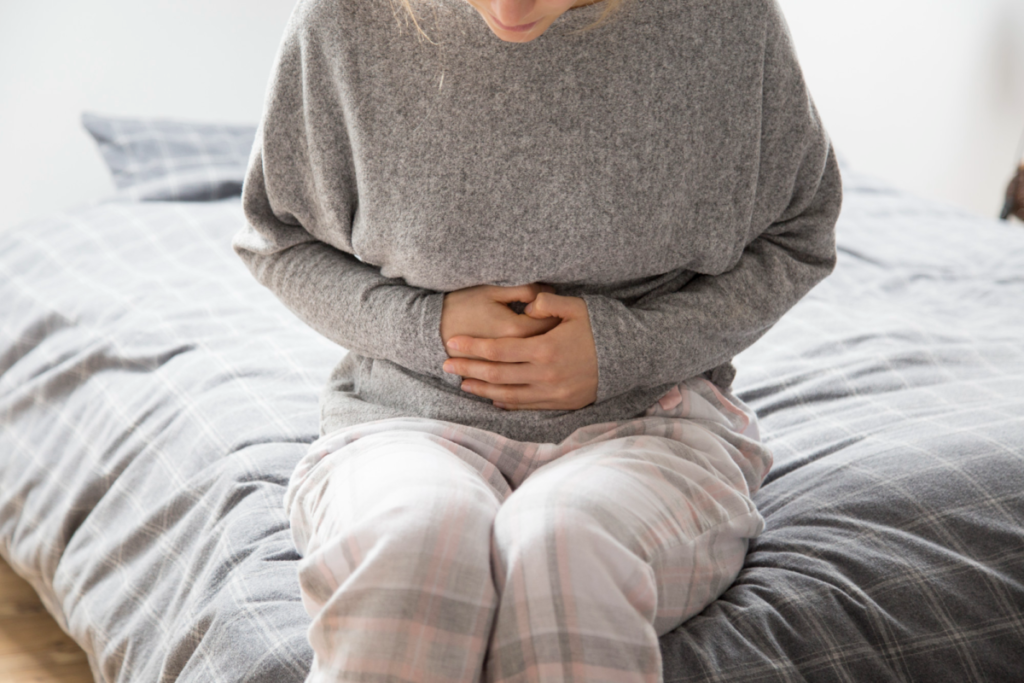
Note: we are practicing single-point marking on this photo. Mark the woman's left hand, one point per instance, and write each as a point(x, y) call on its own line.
point(556, 370)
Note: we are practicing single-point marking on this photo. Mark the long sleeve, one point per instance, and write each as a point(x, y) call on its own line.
point(300, 192)
point(713, 317)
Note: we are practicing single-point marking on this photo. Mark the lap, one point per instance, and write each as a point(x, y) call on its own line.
point(670, 489)
point(694, 456)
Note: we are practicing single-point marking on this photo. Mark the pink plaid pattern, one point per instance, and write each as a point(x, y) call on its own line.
point(439, 552)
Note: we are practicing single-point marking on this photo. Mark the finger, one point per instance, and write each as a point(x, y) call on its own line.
point(452, 353)
point(490, 372)
point(513, 325)
point(509, 394)
point(521, 293)
point(554, 306)
point(502, 350)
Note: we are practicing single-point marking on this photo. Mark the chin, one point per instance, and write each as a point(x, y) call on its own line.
point(516, 37)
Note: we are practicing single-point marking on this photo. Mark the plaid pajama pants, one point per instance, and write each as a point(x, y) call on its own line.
point(437, 552)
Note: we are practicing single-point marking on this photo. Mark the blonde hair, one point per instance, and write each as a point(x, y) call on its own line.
point(611, 7)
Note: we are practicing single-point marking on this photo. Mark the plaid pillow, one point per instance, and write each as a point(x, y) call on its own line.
point(158, 160)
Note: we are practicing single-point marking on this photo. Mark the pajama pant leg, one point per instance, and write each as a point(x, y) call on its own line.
point(603, 550)
point(421, 563)
point(396, 569)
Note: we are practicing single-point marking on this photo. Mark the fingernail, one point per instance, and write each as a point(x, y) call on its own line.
point(452, 344)
point(447, 367)
point(499, 405)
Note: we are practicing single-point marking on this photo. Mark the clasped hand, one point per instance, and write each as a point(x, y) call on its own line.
point(543, 359)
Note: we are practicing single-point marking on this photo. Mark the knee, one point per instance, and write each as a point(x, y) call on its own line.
point(576, 503)
point(405, 484)
point(561, 522)
point(627, 525)
point(432, 511)
point(571, 547)
point(407, 495)
point(414, 535)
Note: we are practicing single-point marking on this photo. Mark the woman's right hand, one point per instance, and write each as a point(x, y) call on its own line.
point(483, 311)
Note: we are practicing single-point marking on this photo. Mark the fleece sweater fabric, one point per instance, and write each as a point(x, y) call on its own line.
point(668, 167)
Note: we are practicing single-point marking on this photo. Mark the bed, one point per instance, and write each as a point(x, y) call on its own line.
point(154, 400)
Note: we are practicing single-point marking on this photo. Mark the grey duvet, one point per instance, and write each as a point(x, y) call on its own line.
point(154, 399)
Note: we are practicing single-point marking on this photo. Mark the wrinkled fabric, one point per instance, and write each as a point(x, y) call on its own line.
point(429, 546)
point(669, 168)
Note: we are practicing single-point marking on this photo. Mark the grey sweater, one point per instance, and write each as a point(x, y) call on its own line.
point(669, 168)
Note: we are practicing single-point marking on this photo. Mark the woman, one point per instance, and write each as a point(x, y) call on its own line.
point(542, 242)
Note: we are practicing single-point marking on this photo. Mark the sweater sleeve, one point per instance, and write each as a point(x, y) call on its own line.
point(710, 319)
point(300, 192)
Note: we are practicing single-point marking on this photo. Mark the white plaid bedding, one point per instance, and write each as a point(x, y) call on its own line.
point(154, 400)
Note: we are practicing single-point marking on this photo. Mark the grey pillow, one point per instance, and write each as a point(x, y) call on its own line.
point(163, 160)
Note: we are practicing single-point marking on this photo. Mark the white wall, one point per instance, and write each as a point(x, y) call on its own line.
point(927, 93)
point(196, 59)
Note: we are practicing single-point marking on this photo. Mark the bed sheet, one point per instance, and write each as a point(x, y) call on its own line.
point(154, 400)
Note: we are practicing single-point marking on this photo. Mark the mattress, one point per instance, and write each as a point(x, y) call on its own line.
point(154, 400)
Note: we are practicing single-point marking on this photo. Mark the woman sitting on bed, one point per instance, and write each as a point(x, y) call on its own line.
point(541, 241)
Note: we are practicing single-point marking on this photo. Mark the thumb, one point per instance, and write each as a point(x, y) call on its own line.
point(548, 305)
